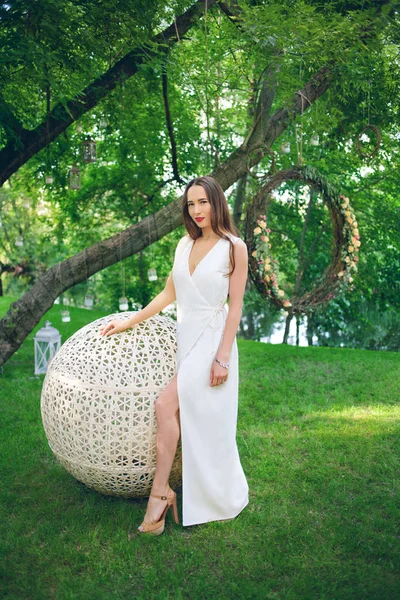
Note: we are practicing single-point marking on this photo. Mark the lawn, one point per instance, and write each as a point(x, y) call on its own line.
point(318, 436)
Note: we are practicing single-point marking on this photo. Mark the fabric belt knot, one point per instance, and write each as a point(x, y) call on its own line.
point(216, 323)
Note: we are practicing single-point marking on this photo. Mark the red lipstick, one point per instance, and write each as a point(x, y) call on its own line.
point(199, 219)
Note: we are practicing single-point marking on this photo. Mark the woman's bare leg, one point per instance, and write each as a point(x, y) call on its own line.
point(168, 432)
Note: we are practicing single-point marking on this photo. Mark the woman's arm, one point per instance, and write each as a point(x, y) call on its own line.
point(163, 299)
point(237, 286)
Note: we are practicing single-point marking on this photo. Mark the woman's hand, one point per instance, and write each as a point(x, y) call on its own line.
point(218, 374)
point(114, 327)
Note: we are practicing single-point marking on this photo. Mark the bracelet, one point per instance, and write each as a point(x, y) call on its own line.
point(225, 365)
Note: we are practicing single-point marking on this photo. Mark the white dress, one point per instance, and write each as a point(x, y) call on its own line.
point(214, 486)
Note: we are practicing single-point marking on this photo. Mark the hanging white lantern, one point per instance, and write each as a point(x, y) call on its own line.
point(65, 316)
point(103, 122)
point(74, 178)
point(89, 150)
point(57, 300)
point(285, 148)
point(314, 140)
point(79, 128)
point(152, 274)
point(47, 342)
point(89, 300)
point(49, 178)
point(19, 240)
point(123, 303)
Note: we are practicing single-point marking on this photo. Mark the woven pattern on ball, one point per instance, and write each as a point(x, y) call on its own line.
point(97, 404)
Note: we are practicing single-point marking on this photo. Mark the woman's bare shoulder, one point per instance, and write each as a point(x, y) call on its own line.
point(234, 238)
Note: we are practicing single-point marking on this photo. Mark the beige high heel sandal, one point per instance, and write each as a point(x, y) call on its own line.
point(158, 527)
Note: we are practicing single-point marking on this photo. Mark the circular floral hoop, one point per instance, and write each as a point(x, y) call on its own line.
point(344, 255)
point(377, 132)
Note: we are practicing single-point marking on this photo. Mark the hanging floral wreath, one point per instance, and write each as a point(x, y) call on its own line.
point(346, 243)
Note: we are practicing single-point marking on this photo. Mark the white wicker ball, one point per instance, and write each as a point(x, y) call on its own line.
point(97, 404)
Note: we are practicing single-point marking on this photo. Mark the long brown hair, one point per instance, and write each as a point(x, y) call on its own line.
point(221, 221)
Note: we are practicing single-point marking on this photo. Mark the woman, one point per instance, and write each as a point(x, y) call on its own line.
point(201, 401)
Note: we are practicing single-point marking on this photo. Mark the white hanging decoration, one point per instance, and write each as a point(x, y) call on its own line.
point(152, 274)
point(103, 122)
point(123, 303)
point(89, 150)
point(314, 140)
point(285, 148)
point(47, 342)
point(65, 316)
point(74, 178)
point(79, 128)
point(97, 404)
point(49, 178)
point(19, 240)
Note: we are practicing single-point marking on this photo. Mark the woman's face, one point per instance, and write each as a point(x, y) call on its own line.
point(198, 206)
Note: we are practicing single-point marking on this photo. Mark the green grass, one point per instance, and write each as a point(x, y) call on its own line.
point(318, 436)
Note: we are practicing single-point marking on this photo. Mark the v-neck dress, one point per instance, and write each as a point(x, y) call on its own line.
point(214, 486)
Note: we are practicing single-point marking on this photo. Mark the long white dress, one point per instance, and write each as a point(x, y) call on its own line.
point(214, 486)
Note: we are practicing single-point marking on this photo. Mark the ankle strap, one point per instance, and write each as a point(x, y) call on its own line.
point(170, 492)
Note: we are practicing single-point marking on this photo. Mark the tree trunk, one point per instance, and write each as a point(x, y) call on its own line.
point(287, 328)
point(310, 329)
point(297, 330)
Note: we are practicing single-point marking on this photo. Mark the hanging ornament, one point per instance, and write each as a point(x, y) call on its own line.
point(79, 128)
point(19, 240)
point(123, 303)
point(152, 274)
point(89, 300)
point(74, 178)
point(285, 148)
point(314, 140)
point(103, 122)
point(89, 150)
point(49, 179)
point(65, 316)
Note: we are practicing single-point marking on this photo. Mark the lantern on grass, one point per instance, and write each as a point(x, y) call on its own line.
point(65, 316)
point(74, 178)
point(123, 303)
point(152, 274)
point(314, 140)
point(47, 342)
point(89, 300)
point(285, 148)
point(89, 150)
